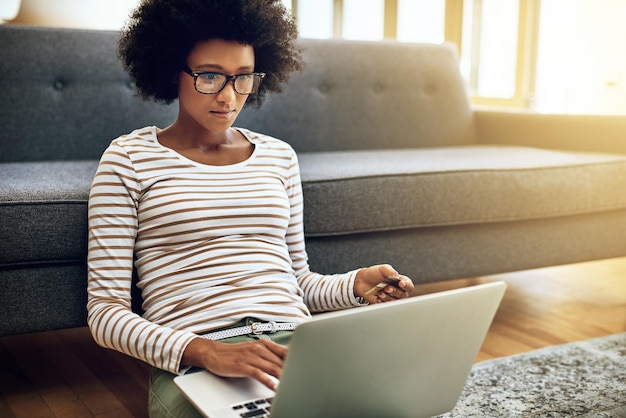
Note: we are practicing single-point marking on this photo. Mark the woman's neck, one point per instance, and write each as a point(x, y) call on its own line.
point(221, 148)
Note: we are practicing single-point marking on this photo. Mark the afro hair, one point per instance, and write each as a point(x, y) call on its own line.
point(156, 41)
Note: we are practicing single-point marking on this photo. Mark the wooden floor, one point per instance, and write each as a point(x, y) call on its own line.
point(64, 374)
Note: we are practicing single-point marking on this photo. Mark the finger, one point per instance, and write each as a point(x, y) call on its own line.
point(386, 297)
point(243, 359)
point(386, 270)
point(405, 285)
point(268, 367)
point(261, 365)
point(265, 379)
point(268, 353)
point(396, 294)
point(392, 292)
point(279, 350)
point(382, 297)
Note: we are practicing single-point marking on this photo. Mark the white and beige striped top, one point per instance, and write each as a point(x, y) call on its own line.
point(211, 246)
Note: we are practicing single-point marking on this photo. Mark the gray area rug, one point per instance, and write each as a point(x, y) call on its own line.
point(582, 379)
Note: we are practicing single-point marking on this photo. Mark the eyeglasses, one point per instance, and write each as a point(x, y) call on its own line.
point(206, 82)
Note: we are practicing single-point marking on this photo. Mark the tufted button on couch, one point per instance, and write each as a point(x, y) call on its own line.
point(397, 167)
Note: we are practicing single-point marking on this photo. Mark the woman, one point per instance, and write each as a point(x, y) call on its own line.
point(209, 215)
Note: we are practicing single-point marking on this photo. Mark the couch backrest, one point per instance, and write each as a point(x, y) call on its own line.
point(369, 95)
point(65, 96)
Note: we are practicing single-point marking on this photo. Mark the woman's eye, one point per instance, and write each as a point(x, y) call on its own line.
point(210, 76)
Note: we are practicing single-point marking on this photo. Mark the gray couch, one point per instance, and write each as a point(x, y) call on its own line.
point(396, 165)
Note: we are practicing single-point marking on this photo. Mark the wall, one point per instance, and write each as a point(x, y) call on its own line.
point(92, 14)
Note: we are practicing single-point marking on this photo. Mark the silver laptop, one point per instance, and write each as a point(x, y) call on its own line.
point(409, 358)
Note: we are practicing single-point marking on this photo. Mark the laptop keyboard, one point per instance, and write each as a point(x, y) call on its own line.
point(259, 408)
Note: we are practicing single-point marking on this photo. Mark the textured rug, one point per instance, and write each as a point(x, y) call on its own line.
point(582, 379)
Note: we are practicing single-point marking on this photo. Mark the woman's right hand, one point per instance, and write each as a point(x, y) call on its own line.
point(256, 359)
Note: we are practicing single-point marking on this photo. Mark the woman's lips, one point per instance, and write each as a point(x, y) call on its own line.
point(223, 114)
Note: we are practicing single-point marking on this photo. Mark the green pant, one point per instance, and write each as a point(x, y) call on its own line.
point(167, 401)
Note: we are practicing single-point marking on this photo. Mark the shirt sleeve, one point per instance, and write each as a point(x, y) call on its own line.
point(321, 292)
point(112, 230)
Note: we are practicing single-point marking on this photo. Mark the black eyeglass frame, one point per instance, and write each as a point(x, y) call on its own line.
point(228, 78)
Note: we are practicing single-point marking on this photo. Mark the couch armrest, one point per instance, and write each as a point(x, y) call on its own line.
point(598, 133)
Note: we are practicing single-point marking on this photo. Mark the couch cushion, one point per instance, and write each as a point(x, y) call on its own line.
point(355, 95)
point(361, 191)
point(345, 192)
point(65, 94)
point(43, 207)
point(42, 298)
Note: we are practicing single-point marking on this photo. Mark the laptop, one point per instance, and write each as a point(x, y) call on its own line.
point(408, 358)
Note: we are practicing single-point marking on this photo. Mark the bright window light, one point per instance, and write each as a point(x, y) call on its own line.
point(9, 9)
point(421, 20)
point(581, 63)
point(363, 19)
point(498, 48)
point(315, 18)
point(287, 4)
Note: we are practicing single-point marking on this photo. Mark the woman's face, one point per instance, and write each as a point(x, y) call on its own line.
point(214, 112)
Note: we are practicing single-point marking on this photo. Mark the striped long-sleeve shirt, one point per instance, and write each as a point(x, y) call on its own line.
point(211, 245)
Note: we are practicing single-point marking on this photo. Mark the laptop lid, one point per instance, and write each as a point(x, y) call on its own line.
point(410, 358)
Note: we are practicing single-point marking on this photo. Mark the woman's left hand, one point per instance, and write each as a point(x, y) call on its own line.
point(369, 277)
